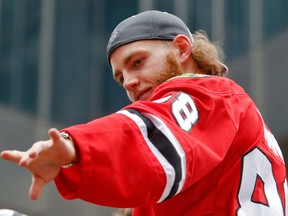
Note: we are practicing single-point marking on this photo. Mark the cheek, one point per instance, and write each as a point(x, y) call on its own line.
point(160, 78)
point(169, 70)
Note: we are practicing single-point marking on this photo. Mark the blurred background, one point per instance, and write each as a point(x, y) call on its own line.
point(54, 72)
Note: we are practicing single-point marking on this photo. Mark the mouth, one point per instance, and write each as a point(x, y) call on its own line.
point(143, 95)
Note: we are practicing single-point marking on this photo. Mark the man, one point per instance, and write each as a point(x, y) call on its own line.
point(191, 143)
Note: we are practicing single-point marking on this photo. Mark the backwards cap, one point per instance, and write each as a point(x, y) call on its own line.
point(148, 25)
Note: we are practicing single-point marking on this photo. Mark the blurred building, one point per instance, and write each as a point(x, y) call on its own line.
point(54, 72)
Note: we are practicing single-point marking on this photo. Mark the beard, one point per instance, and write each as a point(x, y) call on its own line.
point(170, 69)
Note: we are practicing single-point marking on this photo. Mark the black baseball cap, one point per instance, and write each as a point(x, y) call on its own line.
point(148, 25)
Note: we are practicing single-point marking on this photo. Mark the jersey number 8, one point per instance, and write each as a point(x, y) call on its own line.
point(184, 111)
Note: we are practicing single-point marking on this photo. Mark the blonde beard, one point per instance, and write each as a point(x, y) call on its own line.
point(171, 69)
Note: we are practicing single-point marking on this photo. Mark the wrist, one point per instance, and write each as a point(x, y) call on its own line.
point(75, 159)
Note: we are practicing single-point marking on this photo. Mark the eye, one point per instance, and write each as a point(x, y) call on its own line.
point(120, 80)
point(137, 62)
point(118, 77)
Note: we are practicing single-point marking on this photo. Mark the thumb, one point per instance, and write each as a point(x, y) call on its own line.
point(54, 135)
point(36, 187)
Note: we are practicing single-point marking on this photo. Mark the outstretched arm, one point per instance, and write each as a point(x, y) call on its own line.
point(44, 160)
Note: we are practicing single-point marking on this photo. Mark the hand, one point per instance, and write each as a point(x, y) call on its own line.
point(44, 160)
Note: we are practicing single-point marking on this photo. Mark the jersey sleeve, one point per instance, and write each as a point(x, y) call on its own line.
point(114, 164)
point(150, 151)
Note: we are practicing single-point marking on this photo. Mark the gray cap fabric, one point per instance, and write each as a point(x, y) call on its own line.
point(148, 25)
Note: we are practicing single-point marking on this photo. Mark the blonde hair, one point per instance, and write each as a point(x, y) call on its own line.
point(208, 55)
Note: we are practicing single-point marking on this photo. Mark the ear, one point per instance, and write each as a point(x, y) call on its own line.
point(183, 45)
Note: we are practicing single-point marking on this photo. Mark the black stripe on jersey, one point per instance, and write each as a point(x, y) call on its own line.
point(165, 147)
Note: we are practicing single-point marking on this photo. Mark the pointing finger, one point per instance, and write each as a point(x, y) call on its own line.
point(12, 155)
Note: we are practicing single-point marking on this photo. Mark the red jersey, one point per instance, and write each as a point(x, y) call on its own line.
point(198, 147)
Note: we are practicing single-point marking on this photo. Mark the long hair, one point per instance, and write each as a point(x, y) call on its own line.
point(208, 55)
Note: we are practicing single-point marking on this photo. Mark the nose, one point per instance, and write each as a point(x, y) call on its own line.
point(130, 82)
